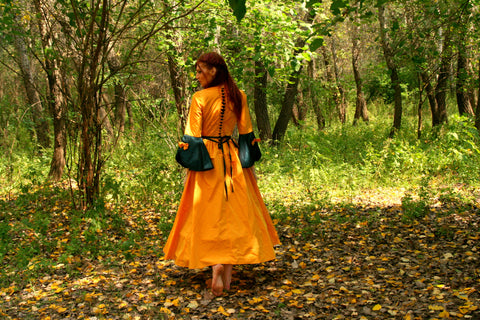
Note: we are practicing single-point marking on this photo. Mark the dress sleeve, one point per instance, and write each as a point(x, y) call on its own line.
point(248, 149)
point(192, 152)
point(194, 121)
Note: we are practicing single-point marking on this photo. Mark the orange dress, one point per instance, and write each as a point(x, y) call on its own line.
point(221, 218)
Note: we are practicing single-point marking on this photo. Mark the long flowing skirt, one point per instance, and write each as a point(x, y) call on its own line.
point(221, 219)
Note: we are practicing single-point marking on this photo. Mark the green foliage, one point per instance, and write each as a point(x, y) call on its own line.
point(316, 167)
point(21, 171)
point(143, 170)
point(415, 207)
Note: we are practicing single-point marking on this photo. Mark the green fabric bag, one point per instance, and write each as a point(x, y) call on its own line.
point(195, 157)
point(248, 152)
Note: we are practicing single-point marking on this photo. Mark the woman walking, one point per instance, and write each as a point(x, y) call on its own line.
point(221, 220)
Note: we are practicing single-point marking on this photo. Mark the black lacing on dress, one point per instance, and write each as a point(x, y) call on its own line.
point(220, 140)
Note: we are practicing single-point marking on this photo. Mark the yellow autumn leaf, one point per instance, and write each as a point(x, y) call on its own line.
point(444, 314)
point(376, 307)
point(315, 277)
point(261, 308)
point(222, 311)
point(176, 302)
point(464, 309)
point(435, 307)
point(61, 309)
point(255, 300)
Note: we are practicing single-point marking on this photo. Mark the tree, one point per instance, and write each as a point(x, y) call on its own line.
point(56, 97)
point(361, 111)
point(390, 58)
point(291, 89)
point(29, 79)
point(93, 31)
point(260, 101)
point(15, 31)
point(312, 93)
point(463, 72)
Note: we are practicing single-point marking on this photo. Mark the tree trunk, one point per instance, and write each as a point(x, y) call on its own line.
point(300, 108)
point(313, 98)
point(442, 82)
point(260, 101)
point(177, 80)
point(291, 89)
point(463, 99)
point(56, 98)
point(104, 120)
point(91, 158)
point(29, 82)
point(392, 67)
point(477, 111)
point(430, 91)
point(330, 80)
point(120, 99)
point(361, 111)
point(287, 105)
point(340, 102)
point(420, 117)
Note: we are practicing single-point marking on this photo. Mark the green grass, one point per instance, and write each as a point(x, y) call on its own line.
point(343, 162)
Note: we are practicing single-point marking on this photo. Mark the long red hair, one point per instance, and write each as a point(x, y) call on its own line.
point(213, 59)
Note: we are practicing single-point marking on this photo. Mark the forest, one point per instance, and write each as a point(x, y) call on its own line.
point(368, 113)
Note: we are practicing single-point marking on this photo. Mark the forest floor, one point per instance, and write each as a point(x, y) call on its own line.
point(357, 261)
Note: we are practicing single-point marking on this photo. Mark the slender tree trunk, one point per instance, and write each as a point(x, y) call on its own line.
point(463, 99)
point(104, 120)
point(287, 105)
point(341, 101)
point(329, 80)
point(392, 67)
point(313, 98)
point(442, 82)
point(477, 111)
point(121, 102)
point(29, 82)
point(430, 91)
point(420, 117)
point(120, 99)
point(56, 98)
point(300, 108)
point(361, 111)
point(422, 88)
point(291, 90)
point(177, 79)
point(260, 101)
point(89, 91)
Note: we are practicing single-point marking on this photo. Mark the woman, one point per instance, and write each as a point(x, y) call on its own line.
point(222, 219)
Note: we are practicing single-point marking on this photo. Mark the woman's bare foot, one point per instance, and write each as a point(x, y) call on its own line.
point(217, 279)
point(227, 276)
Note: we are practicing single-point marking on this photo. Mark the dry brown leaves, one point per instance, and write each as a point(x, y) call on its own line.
point(363, 262)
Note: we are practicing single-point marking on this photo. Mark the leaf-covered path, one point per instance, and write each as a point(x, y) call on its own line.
point(349, 262)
